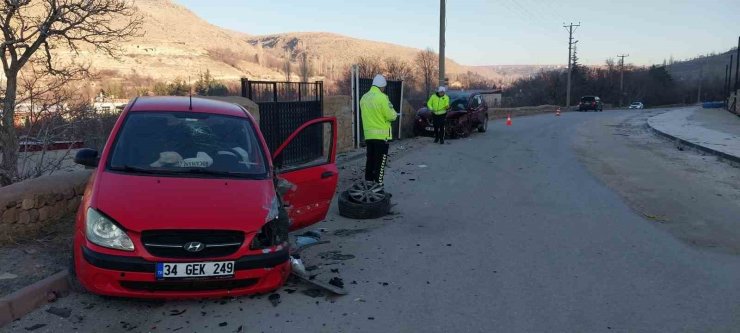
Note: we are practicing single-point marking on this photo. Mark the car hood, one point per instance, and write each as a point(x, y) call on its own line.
point(141, 203)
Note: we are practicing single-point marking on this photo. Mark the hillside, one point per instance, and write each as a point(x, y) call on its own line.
point(713, 66)
point(333, 52)
point(175, 43)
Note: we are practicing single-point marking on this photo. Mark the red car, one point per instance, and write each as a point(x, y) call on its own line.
point(468, 111)
point(186, 202)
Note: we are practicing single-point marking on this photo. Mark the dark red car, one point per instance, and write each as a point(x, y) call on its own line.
point(468, 111)
point(185, 201)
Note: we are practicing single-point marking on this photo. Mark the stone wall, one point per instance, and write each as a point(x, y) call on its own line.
point(26, 208)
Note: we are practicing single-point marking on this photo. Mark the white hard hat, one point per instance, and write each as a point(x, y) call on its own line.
point(379, 81)
point(441, 89)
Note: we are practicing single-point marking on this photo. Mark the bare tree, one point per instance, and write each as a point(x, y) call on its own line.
point(397, 69)
point(304, 68)
point(369, 66)
point(287, 68)
point(428, 66)
point(33, 29)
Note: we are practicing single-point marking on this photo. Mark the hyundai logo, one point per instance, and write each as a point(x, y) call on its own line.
point(194, 247)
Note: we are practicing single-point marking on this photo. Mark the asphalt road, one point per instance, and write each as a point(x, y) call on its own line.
point(535, 227)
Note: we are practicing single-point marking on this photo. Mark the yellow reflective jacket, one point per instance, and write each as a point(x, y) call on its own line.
point(438, 105)
point(377, 115)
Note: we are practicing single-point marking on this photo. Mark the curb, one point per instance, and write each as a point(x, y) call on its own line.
point(29, 298)
point(697, 147)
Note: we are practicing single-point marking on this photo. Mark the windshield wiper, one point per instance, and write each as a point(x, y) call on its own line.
point(210, 172)
point(132, 169)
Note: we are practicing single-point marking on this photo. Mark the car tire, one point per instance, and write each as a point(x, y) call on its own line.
point(363, 211)
point(482, 128)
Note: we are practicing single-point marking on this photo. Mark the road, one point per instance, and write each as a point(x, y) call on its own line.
point(578, 223)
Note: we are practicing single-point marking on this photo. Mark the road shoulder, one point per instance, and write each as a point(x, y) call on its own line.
point(692, 195)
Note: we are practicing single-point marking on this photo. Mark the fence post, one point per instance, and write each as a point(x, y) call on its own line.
point(245, 92)
point(274, 92)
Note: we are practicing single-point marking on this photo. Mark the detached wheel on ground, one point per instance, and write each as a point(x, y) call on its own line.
point(364, 201)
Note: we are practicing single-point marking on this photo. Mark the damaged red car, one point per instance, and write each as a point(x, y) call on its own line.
point(188, 202)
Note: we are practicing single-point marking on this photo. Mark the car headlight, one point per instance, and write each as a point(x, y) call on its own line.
point(102, 231)
point(275, 230)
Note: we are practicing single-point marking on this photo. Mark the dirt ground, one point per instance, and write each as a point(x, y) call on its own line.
point(28, 262)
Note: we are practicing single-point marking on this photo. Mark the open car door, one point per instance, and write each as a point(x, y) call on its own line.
point(307, 159)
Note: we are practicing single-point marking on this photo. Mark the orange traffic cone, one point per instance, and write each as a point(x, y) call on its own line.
point(508, 121)
point(557, 113)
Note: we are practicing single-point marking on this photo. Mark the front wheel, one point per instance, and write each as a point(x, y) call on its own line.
point(482, 128)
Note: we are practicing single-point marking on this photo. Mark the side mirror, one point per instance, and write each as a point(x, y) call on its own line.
point(87, 157)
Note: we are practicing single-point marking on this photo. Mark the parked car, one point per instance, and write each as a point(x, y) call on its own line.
point(28, 144)
point(468, 111)
point(590, 103)
point(637, 105)
point(186, 201)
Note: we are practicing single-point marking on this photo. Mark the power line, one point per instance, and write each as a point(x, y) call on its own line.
point(570, 58)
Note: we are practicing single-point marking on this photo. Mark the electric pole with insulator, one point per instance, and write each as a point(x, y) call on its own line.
point(570, 29)
point(621, 77)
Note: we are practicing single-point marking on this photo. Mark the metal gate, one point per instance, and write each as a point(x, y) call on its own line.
point(360, 86)
point(285, 106)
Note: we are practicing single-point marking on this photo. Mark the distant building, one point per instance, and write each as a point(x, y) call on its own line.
point(108, 103)
point(492, 97)
point(27, 113)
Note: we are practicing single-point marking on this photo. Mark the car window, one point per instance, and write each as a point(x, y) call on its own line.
point(458, 103)
point(197, 144)
point(588, 99)
point(475, 102)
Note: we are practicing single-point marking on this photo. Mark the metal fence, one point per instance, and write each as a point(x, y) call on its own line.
point(394, 90)
point(285, 106)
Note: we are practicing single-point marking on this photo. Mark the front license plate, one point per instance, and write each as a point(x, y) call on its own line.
point(221, 269)
point(430, 128)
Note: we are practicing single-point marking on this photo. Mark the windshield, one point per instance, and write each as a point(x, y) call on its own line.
point(180, 143)
point(458, 101)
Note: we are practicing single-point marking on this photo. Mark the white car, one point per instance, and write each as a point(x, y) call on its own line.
point(637, 105)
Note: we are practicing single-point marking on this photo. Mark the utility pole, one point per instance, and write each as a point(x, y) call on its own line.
point(729, 78)
point(442, 18)
point(570, 59)
point(727, 81)
point(621, 77)
point(701, 81)
point(737, 67)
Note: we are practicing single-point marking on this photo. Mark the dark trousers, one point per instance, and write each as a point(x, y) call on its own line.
point(439, 127)
point(377, 157)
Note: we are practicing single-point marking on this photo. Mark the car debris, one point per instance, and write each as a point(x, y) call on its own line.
point(35, 327)
point(7, 276)
point(60, 312)
point(336, 281)
point(274, 299)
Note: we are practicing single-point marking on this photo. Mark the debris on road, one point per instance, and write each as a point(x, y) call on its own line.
point(7, 276)
point(274, 299)
point(349, 232)
point(35, 327)
point(61, 312)
point(335, 255)
point(177, 312)
point(223, 324)
point(336, 281)
point(313, 293)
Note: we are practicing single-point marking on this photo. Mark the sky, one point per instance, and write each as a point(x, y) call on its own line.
point(502, 32)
